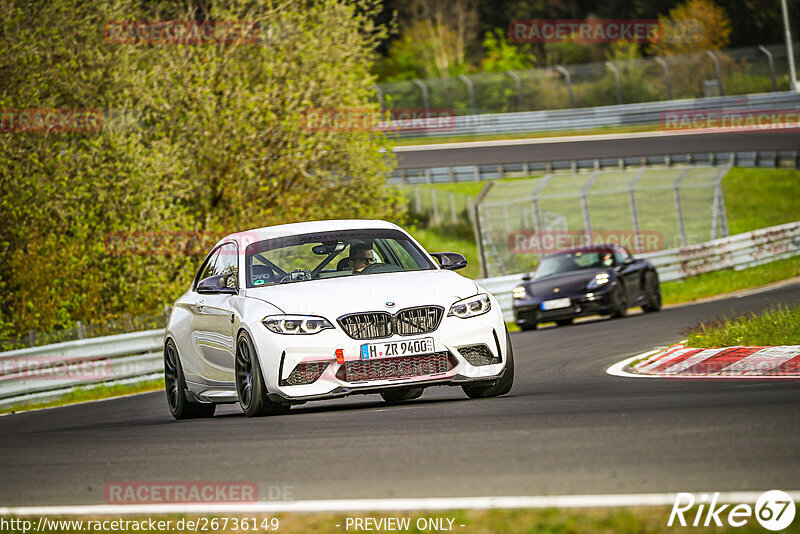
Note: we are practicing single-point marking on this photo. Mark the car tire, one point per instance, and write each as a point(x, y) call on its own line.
point(564, 322)
point(250, 387)
point(653, 292)
point(528, 326)
point(498, 387)
point(393, 396)
point(619, 302)
point(179, 404)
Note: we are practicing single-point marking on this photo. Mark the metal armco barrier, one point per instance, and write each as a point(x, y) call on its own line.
point(734, 252)
point(49, 371)
point(604, 116)
point(770, 159)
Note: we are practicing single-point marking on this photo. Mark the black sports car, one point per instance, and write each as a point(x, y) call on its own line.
point(599, 279)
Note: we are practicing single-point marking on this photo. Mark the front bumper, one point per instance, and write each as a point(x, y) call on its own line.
point(280, 355)
point(529, 311)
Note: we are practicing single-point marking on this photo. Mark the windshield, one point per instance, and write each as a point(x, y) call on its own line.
point(574, 261)
point(331, 255)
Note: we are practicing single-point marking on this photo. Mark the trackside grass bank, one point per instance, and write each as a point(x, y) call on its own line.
point(776, 326)
point(721, 282)
point(517, 521)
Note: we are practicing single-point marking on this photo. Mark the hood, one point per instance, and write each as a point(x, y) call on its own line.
point(334, 297)
point(568, 283)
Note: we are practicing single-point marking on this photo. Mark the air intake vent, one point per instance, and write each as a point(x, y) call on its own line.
point(305, 373)
point(478, 355)
point(389, 368)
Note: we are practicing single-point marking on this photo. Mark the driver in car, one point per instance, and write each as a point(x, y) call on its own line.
point(361, 256)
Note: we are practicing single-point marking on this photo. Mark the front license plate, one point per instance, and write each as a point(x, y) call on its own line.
point(555, 304)
point(412, 347)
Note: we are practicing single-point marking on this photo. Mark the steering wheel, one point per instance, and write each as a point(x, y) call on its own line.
point(297, 275)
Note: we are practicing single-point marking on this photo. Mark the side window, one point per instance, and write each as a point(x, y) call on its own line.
point(228, 263)
point(208, 267)
point(405, 258)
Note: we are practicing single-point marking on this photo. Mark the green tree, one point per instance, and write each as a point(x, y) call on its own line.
point(693, 26)
point(216, 141)
point(503, 55)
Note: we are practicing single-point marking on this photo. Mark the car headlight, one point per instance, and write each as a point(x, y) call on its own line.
point(598, 281)
point(471, 307)
point(296, 324)
point(519, 292)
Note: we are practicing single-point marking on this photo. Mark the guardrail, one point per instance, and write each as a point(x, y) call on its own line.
point(476, 173)
point(50, 371)
point(734, 252)
point(603, 116)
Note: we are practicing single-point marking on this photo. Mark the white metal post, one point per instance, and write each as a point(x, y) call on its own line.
point(789, 48)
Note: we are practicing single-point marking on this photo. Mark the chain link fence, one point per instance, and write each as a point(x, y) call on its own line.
point(644, 209)
point(703, 74)
point(439, 207)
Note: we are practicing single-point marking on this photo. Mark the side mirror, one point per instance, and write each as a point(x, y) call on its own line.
point(216, 284)
point(527, 277)
point(452, 261)
point(628, 261)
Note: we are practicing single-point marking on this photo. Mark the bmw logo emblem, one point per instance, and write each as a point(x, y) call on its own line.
point(389, 304)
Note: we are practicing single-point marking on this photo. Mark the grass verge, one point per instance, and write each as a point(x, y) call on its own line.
point(721, 282)
point(777, 326)
point(546, 521)
point(90, 393)
point(758, 198)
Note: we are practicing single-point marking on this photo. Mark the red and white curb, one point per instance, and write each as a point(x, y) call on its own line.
point(680, 361)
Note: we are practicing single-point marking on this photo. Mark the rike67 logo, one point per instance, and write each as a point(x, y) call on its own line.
point(774, 510)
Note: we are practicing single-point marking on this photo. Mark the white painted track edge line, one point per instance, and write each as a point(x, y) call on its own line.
point(377, 505)
point(618, 369)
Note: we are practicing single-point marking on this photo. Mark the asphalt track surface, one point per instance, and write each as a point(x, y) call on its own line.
point(566, 428)
point(590, 148)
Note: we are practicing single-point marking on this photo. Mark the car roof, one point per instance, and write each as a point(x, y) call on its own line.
point(255, 235)
point(587, 248)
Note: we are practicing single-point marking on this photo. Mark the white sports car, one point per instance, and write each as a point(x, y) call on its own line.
point(318, 310)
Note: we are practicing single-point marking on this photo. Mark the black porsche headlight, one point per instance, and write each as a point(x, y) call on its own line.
point(600, 280)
